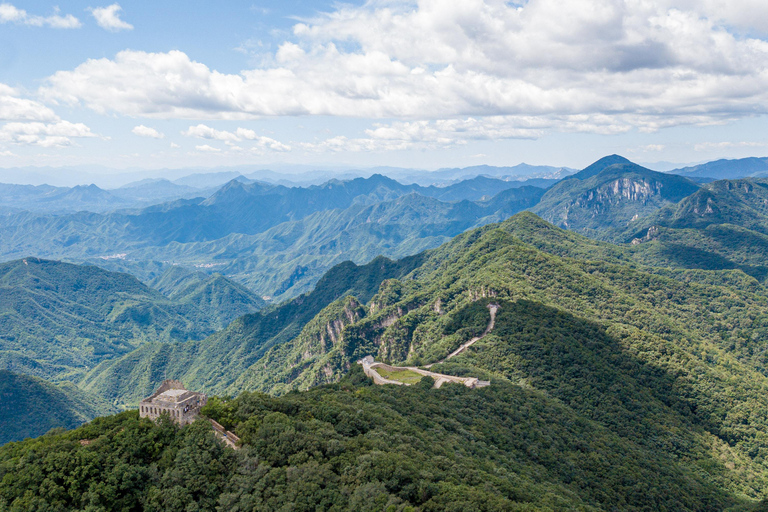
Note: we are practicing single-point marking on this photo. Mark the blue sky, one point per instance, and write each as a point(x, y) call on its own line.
point(428, 84)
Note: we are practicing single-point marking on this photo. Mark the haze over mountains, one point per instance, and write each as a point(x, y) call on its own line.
point(632, 321)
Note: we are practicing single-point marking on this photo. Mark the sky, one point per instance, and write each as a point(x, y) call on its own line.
point(418, 84)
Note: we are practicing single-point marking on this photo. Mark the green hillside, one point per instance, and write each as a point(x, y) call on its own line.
point(358, 447)
point(609, 194)
point(216, 363)
point(57, 318)
point(724, 225)
point(669, 361)
point(223, 299)
point(32, 406)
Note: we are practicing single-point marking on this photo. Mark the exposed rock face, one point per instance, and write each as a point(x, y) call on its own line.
point(624, 189)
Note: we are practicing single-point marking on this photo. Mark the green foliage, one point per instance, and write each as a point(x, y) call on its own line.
point(32, 406)
point(357, 447)
point(58, 319)
point(223, 363)
point(275, 240)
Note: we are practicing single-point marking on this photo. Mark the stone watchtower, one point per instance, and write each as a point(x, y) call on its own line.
point(174, 399)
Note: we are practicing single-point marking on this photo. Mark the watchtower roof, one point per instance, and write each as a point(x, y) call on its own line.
point(172, 395)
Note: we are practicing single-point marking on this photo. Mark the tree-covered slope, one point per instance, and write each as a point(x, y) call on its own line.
point(609, 194)
point(275, 240)
point(358, 447)
point(58, 317)
point(216, 363)
point(32, 406)
point(670, 361)
point(223, 299)
point(724, 225)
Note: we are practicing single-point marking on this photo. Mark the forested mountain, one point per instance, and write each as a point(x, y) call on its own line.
point(32, 406)
point(724, 225)
point(609, 194)
point(219, 361)
point(614, 385)
point(286, 259)
point(222, 298)
point(59, 318)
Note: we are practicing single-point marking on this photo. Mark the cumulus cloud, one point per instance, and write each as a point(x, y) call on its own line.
point(602, 66)
point(15, 108)
point(57, 134)
point(12, 14)
point(241, 134)
point(146, 131)
point(31, 122)
point(208, 149)
point(108, 18)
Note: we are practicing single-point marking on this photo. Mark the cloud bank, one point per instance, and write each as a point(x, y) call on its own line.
point(451, 71)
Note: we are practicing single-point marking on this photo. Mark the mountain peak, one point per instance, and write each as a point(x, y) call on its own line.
point(599, 166)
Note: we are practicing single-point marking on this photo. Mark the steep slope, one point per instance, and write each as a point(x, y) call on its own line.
point(724, 225)
point(670, 362)
point(221, 298)
point(58, 317)
point(608, 195)
point(214, 364)
point(32, 407)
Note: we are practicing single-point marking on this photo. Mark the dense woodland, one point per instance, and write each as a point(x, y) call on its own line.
point(355, 446)
point(627, 368)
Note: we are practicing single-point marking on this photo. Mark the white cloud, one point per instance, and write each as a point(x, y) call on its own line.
point(492, 69)
point(146, 131)
point(12, 14)
point(108, 18)
point(15, 108)
point(6, 153)
point(206, 132)
point(174, 145)
point(207, 148)
point(241, 134)
point(57, 134)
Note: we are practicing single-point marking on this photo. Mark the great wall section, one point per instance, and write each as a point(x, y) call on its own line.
point(371, 367)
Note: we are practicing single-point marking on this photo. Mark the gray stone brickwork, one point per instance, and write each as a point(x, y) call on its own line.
point(173, 399)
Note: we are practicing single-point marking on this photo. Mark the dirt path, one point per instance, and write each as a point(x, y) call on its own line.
point(465, 346)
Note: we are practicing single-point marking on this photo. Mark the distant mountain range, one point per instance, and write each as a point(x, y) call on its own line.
point(278, 240)
point(727, 169)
